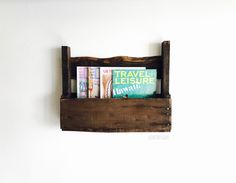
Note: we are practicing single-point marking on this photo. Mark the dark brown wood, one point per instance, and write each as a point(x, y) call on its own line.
point(120, 61)
point(165, 69)
point(116, 115)
point(66, 72)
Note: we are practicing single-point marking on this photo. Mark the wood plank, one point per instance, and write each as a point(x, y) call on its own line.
point(165, 69)
point(154, 62)
point(116, 115)
point(66, 71)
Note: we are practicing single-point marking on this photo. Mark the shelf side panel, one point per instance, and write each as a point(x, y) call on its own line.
point(66, 72)
point(165, 69)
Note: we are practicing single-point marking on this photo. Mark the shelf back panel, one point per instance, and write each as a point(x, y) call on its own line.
point(154, 62)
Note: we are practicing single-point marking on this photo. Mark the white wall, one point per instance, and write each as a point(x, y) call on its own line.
point(201, 146)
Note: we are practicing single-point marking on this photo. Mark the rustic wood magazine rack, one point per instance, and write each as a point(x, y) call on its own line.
point(116, 115)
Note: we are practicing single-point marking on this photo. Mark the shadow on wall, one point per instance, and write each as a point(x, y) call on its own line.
point(154, 49)
point(52, 101)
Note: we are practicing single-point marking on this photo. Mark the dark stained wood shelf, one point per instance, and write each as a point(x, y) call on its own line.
point(116, 115)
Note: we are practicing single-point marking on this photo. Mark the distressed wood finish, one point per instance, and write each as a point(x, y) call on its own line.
point(116, 115)
point(120, 61)
point(165, 69)
point(66, 72)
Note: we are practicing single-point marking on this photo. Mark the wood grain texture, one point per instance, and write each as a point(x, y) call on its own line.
point(66, 71)
point(165, 69)
point(120, 61)
point(116, 115)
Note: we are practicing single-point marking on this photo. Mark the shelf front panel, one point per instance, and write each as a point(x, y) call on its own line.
point(116, 115)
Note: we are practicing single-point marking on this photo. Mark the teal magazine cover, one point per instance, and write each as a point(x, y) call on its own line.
point(134, 83)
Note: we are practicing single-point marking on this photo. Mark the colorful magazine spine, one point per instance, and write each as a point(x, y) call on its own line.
point(134, 83)
point(106, 80)
point(82, 82)
point(93, 82)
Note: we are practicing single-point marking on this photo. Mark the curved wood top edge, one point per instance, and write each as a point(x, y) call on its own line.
point(116, 58)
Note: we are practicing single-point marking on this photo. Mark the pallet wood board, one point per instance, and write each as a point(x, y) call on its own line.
point(116, 115)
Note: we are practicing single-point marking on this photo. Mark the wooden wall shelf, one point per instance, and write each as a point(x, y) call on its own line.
point(116, 115)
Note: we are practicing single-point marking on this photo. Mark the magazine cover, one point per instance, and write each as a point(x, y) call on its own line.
point(106, 80)
point(134, 83)
point(93, 82)
point(82, 82)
